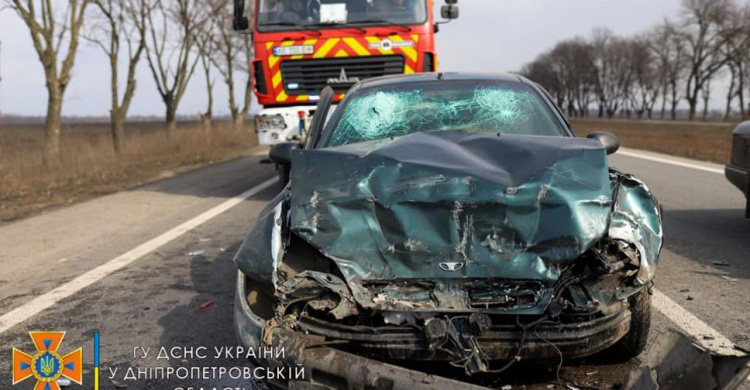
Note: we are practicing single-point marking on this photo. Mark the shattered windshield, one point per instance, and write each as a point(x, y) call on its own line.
point(278, 15)
point(482, 106)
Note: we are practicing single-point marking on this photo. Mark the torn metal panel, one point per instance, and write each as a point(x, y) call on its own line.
point(636, 219)
point(260, 253)
point(451, 204)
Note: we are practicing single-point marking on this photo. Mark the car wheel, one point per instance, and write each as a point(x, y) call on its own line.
point(634, 342)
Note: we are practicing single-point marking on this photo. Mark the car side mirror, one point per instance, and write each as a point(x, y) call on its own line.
point(609, 140)
point(282, 153)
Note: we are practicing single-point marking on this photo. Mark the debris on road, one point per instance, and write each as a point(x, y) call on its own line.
point(118, 385)
point(684, 290)
point(196, 253)
point(205, 305)
point(727, 278)
point(676, 361)
point(721, 263)
point(689, 298)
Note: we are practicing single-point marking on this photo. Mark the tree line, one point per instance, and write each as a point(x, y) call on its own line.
point(174, 37)
point(650, 74)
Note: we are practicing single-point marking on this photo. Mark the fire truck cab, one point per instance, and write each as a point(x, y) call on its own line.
point(303, 46)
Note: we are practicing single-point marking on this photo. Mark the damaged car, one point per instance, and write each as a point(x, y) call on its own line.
point(452, 219)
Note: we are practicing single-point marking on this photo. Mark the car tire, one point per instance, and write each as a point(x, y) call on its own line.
point(634, 342)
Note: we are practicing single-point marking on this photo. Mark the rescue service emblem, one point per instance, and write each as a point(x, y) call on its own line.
point(47, 365)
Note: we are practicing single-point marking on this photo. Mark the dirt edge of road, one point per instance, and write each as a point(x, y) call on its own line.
point(127, 177)
point(706, 141)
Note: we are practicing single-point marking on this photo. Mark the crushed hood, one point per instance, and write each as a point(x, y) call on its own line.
point(452, 204)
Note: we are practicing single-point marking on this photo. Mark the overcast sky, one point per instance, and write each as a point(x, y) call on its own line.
point(490, 35)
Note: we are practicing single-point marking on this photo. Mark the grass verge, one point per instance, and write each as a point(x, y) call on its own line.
point(696, 140)
point(89, 167)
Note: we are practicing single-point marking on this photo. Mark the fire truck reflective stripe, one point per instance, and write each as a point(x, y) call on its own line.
point(276, 79)
point(272, 60)
point(354, 44)
point(410, 52)
point(378, 41)
point(326, 48)
point(361, 46)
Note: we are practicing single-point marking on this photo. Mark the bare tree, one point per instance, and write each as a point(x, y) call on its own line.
point(121, 20)
point(704, 32)
point(55, 31)
point(617, 82)
point(169, 50)
point(234, 53)
point(645, 90)
point(204, 38)
point(669, 56)
point(600, 40)
point(735, 49)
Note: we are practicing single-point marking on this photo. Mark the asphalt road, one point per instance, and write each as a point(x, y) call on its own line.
point(180, 294)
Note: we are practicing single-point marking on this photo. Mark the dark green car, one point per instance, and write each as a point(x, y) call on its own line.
point(738, 169)
point(452, 219)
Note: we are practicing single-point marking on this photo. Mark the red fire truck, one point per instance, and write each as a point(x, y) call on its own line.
point(303, 46)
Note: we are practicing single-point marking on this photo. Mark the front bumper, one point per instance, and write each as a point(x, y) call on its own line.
point(498, 342)
point(740, 177)
point(329, 368)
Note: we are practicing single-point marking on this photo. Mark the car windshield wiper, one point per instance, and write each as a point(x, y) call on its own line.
point(338, 25)
point(382, 21)
point(299, 27)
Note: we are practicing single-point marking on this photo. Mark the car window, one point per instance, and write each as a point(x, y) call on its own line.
point(481, 106)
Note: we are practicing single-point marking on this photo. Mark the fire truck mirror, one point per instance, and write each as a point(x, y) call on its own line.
point(449, 11)
point(240, 21)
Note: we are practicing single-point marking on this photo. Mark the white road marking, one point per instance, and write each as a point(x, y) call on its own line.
point(704, 335)
point(49, 299)
point(680, 162)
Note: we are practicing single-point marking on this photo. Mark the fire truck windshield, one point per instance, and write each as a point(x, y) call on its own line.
point(280, 15)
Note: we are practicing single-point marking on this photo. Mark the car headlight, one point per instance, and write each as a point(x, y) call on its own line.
point(268, 122)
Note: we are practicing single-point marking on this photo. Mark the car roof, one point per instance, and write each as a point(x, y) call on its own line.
point(438, 76)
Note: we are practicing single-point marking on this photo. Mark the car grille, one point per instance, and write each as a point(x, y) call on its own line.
point(309, 77)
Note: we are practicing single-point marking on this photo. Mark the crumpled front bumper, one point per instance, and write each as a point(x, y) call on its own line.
point(329, 368)
point(335, 367)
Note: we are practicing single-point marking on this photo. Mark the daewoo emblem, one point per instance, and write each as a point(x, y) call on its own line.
point(451, 266)
point(342, 79)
